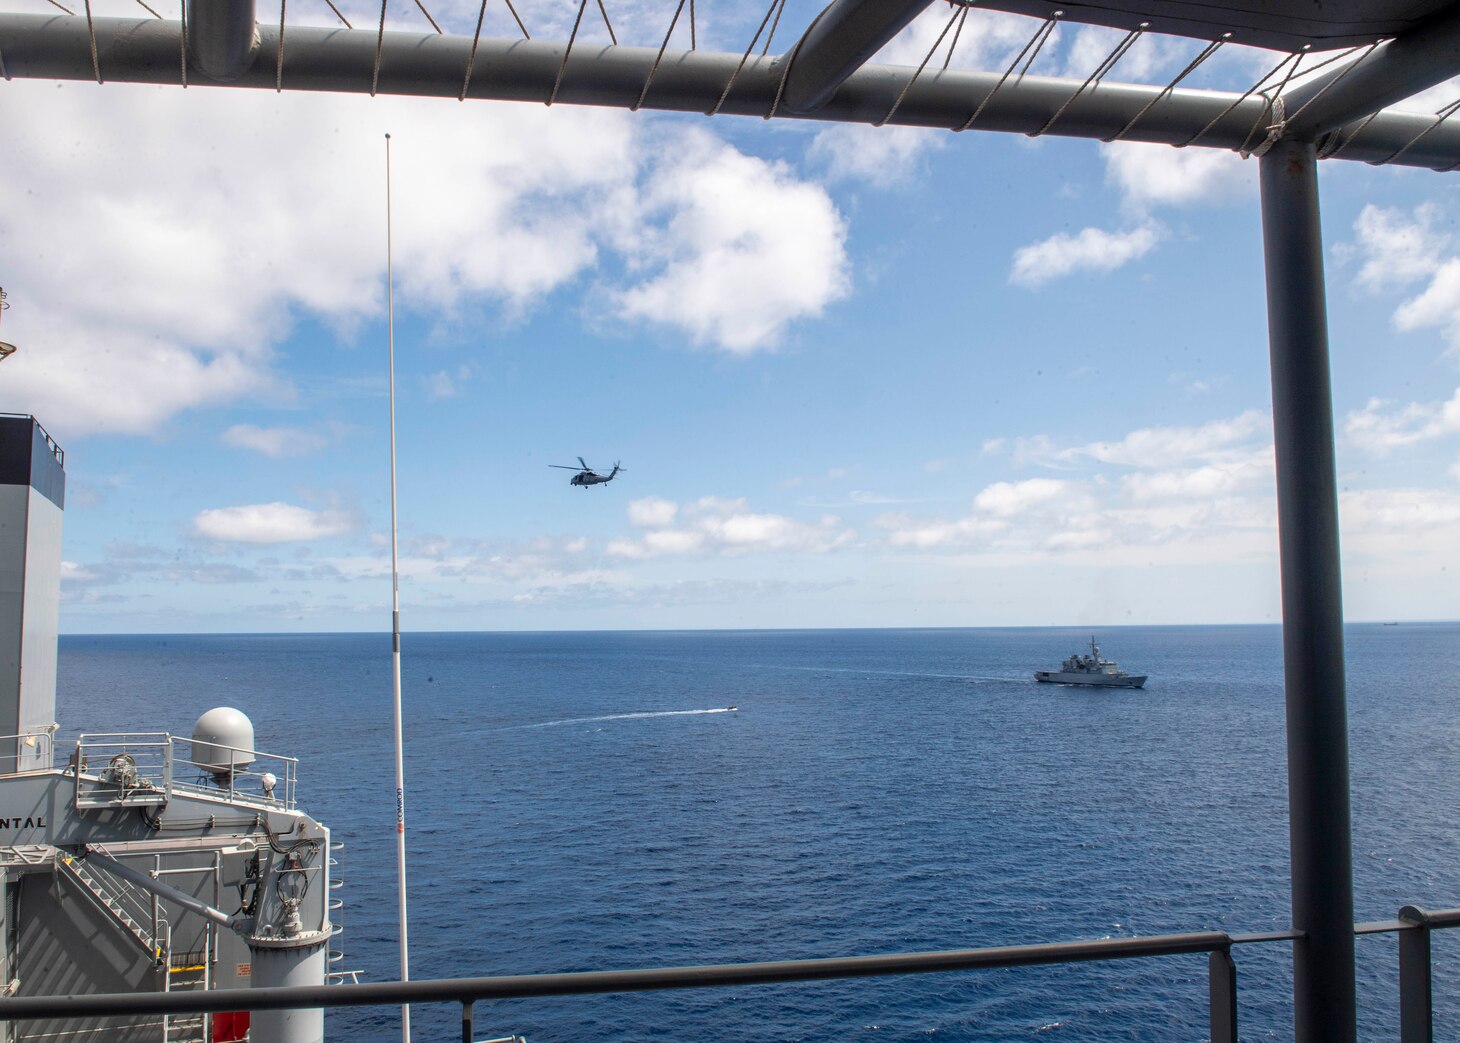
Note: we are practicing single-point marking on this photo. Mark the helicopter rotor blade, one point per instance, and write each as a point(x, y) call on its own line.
point(584, 463)
point(566, 467)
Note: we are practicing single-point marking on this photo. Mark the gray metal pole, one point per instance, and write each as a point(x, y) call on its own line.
point(1317, 720)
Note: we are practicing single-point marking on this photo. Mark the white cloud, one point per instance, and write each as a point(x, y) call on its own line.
point(274, 441)
point(744, 250)
point(1378, 429)
point(882, 156)
point(715, 526)
point(653, 513)
point(1398, 250)
point(1159, 447)
point(1148, 174)
point(121, 286)
point(1091, 250)
point(269, 523)
point(439, 385)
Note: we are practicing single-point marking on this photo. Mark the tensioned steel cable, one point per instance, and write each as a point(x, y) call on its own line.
point(182, 41)
point(644, 93)
point(91, 33)
point(607, 24)
point(338, 15)
point(143, 5)
point(525, 34)
point(1099, 74)
point(558, 82)
point(789, 63)
point(775, 24)
point(958, 33)
point(1246, 94)
point(744, 58)
point(472, 57)
point(379, 48)
point(919, 71)
point(429, 18)
point(279, 60)
point(66, 9)
point(1210, 50)
point(1441, 115)
point(1037, 42)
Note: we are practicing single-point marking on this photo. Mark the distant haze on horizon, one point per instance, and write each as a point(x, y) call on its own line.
point(857, 377)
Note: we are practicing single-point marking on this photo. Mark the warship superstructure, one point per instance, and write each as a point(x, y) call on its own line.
point(140, 861)
point(1091, 669)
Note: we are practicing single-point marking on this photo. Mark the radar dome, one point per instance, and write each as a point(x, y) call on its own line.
point(223, 741)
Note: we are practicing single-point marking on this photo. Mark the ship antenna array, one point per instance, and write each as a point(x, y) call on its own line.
point(400, 780)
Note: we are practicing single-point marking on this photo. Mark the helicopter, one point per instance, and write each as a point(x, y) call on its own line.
point(588, 476)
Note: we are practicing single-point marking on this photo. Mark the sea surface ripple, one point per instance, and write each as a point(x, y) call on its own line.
point(586, 801)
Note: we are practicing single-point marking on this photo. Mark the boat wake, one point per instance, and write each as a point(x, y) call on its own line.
point(630, 716)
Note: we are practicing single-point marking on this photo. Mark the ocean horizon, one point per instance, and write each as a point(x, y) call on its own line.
point(585, 800)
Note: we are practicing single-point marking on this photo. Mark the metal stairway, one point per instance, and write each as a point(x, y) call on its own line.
point(119, 901)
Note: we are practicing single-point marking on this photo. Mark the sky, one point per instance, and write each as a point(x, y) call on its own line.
point(856, 376)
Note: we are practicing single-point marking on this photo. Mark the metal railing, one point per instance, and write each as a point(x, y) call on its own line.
point(34, 748)
point(1415, 983)
point(144, 768)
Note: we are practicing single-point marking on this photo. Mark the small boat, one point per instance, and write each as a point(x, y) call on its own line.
point(1091, 669)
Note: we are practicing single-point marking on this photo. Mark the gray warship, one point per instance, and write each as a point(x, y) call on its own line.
point(1091, 669)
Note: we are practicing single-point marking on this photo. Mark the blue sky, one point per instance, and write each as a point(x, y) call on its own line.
point(856, 376)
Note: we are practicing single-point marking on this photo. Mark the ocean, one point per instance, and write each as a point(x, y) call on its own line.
point(585, 801)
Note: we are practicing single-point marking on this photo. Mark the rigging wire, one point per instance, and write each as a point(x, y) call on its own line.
point(182, 41)
point(143, 4)
point(657, 58)
point(745, 58)
point(774, 25)
point(914, 77)
point(1441, 115)
point(429, 18)
point(1098, 75)
point(1210, 50)
point(609, 25)
point(66, 9)
point(338, 15)
point(1037, 42)
point(471, 58)
point(279, 60)
point(379, 48)
point(91, 33)
point(959, 32)
point(558, 82)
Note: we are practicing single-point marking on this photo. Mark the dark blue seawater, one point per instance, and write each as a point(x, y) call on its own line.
point(574, 803)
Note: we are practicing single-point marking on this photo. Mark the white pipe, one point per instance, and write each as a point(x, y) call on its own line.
point(400, 771)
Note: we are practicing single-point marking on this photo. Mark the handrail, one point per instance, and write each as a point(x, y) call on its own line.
point(1413, 925)
point(586, 982)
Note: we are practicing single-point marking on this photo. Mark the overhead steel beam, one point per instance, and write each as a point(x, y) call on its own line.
point(427, 65)
point(222, 37)
point(1393, 71)
point(841, 40)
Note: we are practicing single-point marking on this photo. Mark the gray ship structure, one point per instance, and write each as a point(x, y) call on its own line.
point(1091, 669)
point(142, 861)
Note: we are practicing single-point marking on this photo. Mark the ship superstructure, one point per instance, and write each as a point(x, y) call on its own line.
point(138, 861)
point(1091, 669)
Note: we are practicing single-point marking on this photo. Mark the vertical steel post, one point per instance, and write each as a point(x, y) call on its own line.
point(1416, 1009)
point(1222, 993)
point(466, 1026)
point(1320, 838)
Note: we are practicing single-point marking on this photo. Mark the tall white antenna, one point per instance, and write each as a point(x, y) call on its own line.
point(400, 767)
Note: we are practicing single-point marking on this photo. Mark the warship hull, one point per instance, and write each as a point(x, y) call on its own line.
point(1099, 680)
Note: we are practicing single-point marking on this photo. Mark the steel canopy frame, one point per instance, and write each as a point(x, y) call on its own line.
point(147, 50)
point(825, 78)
